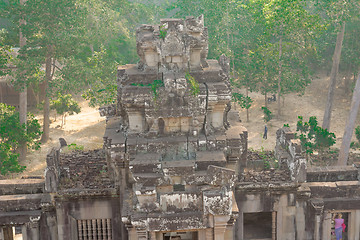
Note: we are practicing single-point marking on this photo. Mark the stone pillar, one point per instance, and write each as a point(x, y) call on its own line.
point(318, 207)
point(229, 233)
point(209, 234)
point(132, 234)
point(300, 219)
point(31, 231)
point(48, 224)
point(239, 226)
point(220, 223)
point(152, 235)
point(7, 232)
point(354, 225)
point(317, 227)
point(217, 116)
point(142, 234)
point(279, 223)
point(326, 226)
point(201, 235)
point(273, 225)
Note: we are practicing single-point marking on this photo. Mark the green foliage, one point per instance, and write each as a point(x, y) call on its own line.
point(267, 114)
point(101, 75)
point(4, 56)
point(75, 147)
point(9, 160)
point(357, 133)
point(313, 137)
point(242, 100)
point(154, 86)
point(194, 85)
point(268, 158)
point(65, 104)
point(162, 32)
point(13, 135)
point(286, 125)
point(355, 145)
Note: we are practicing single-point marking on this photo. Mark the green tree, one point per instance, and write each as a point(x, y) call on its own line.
point(53, 32)
point(287, 36)
point(243, 101)
point(313, 137)
point(4, 56)
point(64, 104)
point(271, 42)
point(267, 114)
point(102, 78)
point(110, 37)
point(336, 14)
point(13, 134)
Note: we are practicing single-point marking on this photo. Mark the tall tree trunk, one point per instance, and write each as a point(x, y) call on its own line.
point(247, 109)
point(266, 102)
point(1, 94)
point(46, 126)
point(345, 145)
point(347, 80)
point(333, 75)
point(279, 79)
point(22, 96)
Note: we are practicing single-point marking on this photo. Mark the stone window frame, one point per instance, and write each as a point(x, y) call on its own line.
point(91, 227)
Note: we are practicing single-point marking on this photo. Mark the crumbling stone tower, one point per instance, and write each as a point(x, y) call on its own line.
point(170, 143)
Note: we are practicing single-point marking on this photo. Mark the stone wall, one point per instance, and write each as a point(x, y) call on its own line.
point(332, 174)
point(21, 186)
point(288, 152)
point(286, 202)
point(77, 169)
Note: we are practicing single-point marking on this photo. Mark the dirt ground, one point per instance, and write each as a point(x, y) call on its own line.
point(312, 103)
point(87, 127)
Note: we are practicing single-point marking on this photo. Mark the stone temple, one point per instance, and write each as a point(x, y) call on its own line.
point(175, 165)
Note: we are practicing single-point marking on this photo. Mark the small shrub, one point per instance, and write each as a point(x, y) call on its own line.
point(155, 85)
point(355, 145)
point(75, 147)
point(162, 32)
point(194, 85)
point(267, 114)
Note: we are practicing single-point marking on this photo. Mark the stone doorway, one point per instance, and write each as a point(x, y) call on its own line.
point(258, 226)
point(161, 126)
point(346, 217)
point(11, 233)
point(180, 236)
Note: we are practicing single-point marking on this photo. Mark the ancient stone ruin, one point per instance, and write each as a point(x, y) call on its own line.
point(174, 163)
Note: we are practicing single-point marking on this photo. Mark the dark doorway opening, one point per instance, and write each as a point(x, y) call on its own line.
point(258, 225)
point(161, 126)
point(180, 236)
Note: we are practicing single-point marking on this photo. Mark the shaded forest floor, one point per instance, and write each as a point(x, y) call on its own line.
point(87, 127)
point(312, 103)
